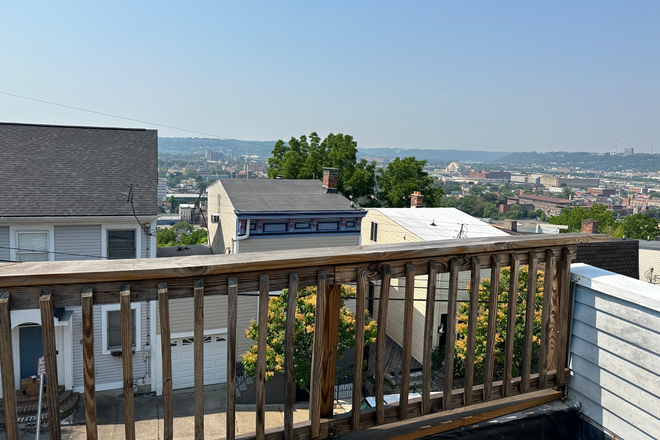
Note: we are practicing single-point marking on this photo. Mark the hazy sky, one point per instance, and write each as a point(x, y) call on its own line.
point(491, 75)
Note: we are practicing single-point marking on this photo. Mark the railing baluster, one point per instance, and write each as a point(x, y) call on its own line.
point(261, 356)
point(562, 325)
point(452, 296)
point(359, 346)
point(529, 322)
point(7, 369)
point(317, 356)
point(127, 359)
point(381, 340)
point(407, 340)
point(428, 337)
point(199, 358)
point(545, 318)
point(87, 307)
point(489, 362)
point(232, 310)
point(289, 333)
point(511, 324)
point(166, 354)
point(50, 355)
point(475, 283)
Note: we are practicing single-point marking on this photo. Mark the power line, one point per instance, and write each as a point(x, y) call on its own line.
point(125, 118)
point(49, 252)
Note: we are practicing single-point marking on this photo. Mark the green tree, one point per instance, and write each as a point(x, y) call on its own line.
point(572, 217)
point(472, 205)
point(303, 334)
point(516, 212)
point(501, 325)
point(638, 226)
point(401, 178)
point(566, 193)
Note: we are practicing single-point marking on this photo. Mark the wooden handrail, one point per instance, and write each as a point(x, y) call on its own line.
point(57, 284)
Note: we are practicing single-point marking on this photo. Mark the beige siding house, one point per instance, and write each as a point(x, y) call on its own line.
point(649, 261)
point(256, 216)
point(400, 225)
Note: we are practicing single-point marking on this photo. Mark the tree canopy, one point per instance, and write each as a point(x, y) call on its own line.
point(572, 217)
point(401, 178)
point(303, 334)
point(637, 226)
point(181, 234)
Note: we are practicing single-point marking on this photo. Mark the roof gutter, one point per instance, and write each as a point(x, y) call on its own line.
point(236, 238)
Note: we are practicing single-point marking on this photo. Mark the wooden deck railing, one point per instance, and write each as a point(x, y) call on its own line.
point(88, 283)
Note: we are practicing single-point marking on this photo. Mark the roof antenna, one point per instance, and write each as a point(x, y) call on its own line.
point(433, 223)
point(463, 232)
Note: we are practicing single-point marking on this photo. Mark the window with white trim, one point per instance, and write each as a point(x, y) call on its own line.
point(111, 327)
point(32, 246)
point(121, 244)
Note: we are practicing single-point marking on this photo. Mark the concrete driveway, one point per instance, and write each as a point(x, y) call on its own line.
point(149, 416)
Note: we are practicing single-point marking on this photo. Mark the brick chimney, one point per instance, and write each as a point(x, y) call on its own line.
point(417, 200)
point(589, 226)
point(511, 225)
point(330, 177)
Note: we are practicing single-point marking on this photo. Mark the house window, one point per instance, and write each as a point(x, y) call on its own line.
point(121, 244)
point(327, 226)
point(374, 231)
point(111, 327)
point(303, 225)
point(32, 246)
point(275, 227)
point(350, 224)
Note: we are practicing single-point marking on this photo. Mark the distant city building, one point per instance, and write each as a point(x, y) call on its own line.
point(628, 151)
point(487, 174)
point(214, 155)
point(549, 205)
point(525, 179)
point(162, 189)
point(185, 212)
point(255, 167)
point(560, 182)
point(457, 168)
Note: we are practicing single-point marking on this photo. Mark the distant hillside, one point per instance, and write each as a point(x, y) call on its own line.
point(588, 161)
point(434, 156)
point(199, 145)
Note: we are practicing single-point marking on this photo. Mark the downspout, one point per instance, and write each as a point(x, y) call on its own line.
point(235, 239)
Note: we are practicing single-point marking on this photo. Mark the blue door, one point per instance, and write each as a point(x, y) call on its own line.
point(32, 349)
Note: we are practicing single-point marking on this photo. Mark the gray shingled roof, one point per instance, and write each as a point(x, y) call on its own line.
point(50, 170)
point(281, 195)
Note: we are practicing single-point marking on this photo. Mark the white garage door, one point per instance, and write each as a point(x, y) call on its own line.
point(183, 364)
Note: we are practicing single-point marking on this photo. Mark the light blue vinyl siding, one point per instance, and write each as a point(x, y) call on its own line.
point(4, 243)
point(78, 242)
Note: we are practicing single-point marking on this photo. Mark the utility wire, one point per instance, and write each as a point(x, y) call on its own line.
point(125, 118)
point(49, 252)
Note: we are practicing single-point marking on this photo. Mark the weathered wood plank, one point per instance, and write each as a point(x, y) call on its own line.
point(92, 272)
point(7, 369)
point(198, 354)
point(166, 356)
point(317, 356)
point(232, 310)
point(289, 350)
point(50, 355)
point(330, 341)
point(475, 283)
point(511, 323)
point(545, 317)
point(554, 316)
point(489, 361)
point(564, 310)
point(381, 339)
point(127, 360)
point(361, 290)
point(87, 309)
point(452, 296)
point(407, 340)
point(262, 340)
point(529, 322)
point(428, 337)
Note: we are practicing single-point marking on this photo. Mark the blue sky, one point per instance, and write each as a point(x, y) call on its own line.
point(517, 76)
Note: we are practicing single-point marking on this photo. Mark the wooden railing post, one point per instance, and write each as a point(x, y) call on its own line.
point(529, 322)
point(381, 341)
point(475, 284)
point(510, 324)
point(127, 360)
point(428, 337)
point(7, 369)
point(359, 346)
point(330, 341)
point(289, 337)
point(232, 310)
point(317, 356)
point(407, 340)
point(545, 317)
point(50, 356)
point(452, 295)
point(489, 362)
point(166, 355)
point(262, 340)
point(87, 307)
point(564, 310)
point(198, 348)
